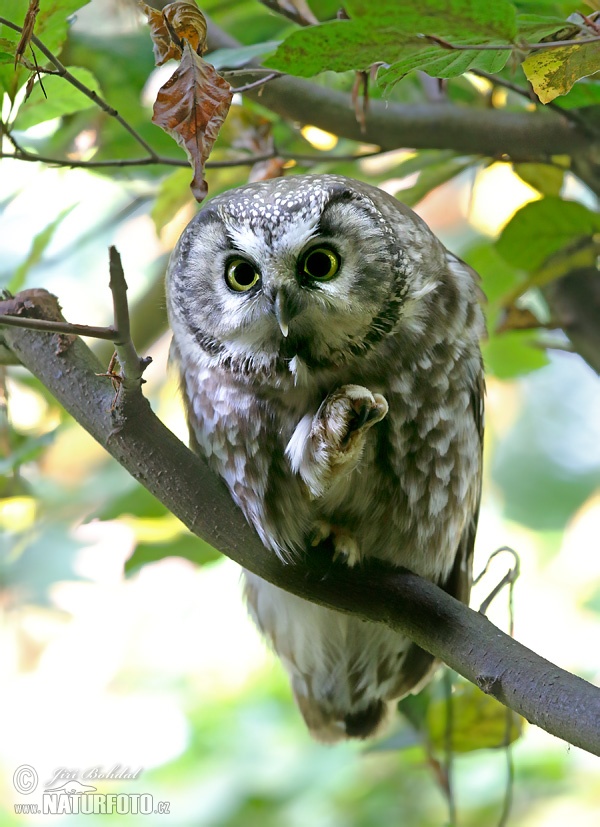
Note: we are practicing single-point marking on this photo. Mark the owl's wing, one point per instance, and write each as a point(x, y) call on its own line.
point(418, 665)
point(459, 582)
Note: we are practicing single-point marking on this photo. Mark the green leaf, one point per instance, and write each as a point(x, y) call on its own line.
point(38, 246)
point(445, 18)
point(533, 27)
point(478, 721)
point(442, 63)
point(498, 278)
point(542, 228)
point(28, 451)
point(52, 22)
point(392, 32)
point(240, 56)
point(585, 93)
point(552, 72)
point(61, 98)
point(173, 194)
point(512, 354)
point(51, 27)
point(187, 546)
point(336, 46)
point(544, 178)
point(7, 51)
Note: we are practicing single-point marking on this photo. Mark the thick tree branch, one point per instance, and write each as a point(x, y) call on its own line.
point(546, 695)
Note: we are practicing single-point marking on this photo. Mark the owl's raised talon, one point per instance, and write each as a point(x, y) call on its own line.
point(370, 408)
point(329, 445)
point(347, 412)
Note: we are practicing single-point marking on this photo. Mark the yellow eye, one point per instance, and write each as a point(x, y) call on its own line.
point(241, 275)
point(321, 263)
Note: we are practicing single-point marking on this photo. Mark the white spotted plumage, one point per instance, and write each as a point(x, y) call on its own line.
point(343, 411)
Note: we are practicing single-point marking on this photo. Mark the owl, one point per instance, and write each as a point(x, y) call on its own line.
point(328, 349)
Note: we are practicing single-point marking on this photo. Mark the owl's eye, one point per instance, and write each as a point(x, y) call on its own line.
point(320, 263)
point(241, 275)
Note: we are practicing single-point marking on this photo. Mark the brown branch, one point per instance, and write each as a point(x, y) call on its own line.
point(546, 695)
point(529, 94)
point(132, 365)
point(14, 312)
point(46, 326)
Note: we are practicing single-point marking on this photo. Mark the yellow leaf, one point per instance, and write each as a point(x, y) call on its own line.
point(552, 72)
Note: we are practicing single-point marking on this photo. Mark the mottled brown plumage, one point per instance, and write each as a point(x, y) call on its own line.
point(328, 346)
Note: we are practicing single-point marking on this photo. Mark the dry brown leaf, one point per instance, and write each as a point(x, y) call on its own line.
point(27, 30)
point(265, 170)
point(178, 23)
point(191, 107)
point(162, 44)
point(186, 22)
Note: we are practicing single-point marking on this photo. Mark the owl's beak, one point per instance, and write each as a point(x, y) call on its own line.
point(282, 312)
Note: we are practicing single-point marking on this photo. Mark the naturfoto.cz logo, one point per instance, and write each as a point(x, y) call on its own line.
point(73, 797)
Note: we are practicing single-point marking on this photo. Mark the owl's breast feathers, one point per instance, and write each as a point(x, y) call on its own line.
point(414, 489)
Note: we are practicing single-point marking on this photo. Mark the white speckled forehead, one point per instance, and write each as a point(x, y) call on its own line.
point(283, 200)
point(282, 214)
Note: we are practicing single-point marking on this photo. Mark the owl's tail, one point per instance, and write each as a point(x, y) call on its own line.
point(330, 725)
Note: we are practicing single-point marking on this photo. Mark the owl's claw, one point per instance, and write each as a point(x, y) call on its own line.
point(327, 447)
point(345, 547)
point(347, 412)
point(369, 408)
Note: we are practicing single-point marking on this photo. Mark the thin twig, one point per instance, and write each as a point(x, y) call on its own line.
point(504, 47)
point(529, 94)
point(131, 364)
point(93, 96)
point(21, 154)
point(107, 333)
point(255, 84)
point(509, 578)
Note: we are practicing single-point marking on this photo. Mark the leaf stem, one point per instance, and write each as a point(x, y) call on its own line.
point(503, 47)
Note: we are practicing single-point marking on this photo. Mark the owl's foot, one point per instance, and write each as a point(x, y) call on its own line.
point(347, 414)
point(328, 446)
point(345, 546)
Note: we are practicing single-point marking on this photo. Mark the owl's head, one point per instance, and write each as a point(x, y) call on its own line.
point(299, 274)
